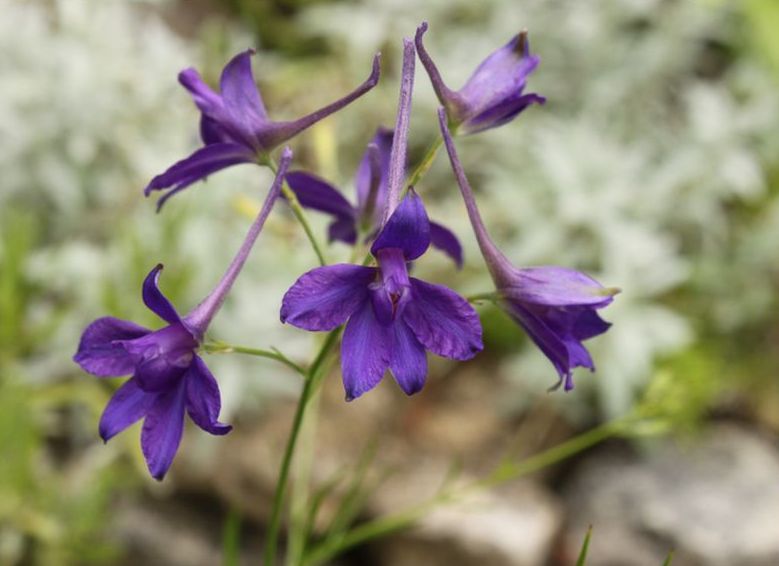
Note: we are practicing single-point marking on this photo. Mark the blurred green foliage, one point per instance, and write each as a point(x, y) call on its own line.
point(274, 26)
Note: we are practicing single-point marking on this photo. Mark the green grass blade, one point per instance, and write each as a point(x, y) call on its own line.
point(231, 538)
point(585, 547)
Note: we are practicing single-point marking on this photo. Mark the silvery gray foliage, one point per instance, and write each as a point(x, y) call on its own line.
point(629, 169)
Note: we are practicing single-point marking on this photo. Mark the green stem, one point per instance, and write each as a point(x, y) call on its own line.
point(299, 213)
point(505, 472)
point(425, 164)
point(218, 347)
point(512, 470)
point(309, 386)
point(300, 484)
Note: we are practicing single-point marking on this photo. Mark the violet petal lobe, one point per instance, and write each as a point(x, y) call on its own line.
point(408, 361)
point(408, 229)
point(162, 356)
point(444, 239)
point(160, 373)
point(555, 287)
point(343, 230)
point(589, 325)
point(199, 165)
point(502, 74)
point(127, 406)
point(382, 140)
point(325, 297)
point(203, 398)
point(365, 351)
point(240, 94)
point(443, 321)
point(162, 430)
point(212, 132)
point(207, 101)
point(155, 300)
point(564, 351)
point(316, 193)
point(100, 351)
point(502, 113)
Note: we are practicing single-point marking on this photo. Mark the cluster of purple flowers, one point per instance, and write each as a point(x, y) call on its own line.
point(391, 319)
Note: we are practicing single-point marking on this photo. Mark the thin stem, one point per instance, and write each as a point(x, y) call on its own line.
point(218, 347)
point(512, 470)
point(300, 215)
point(503, 473)
point(300, 484)
point(496, 261)
point(424, 165)
point(313, 378)
point(199, 319)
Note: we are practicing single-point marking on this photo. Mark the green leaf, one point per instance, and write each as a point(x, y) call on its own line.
point(668, 559)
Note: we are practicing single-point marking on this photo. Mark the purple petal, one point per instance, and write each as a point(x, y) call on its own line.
point(451, 100)
point(408, 362)
point(203, 162)
point(316, 193)
point(325, 297)
point(161, 373)
point(278, 132)
point(382, 141)
point(162, 429)
point(127, 406)
point(589, 325)
point(203, 399)
point(551, 343)
point(444, 239)
point(100, 351)
point(240, 94)
point(365, 351)
point(500, 77)
point(155, 300)
point(163, 356)
point(555, 286)
point(205, 99)
point(443, 321)
point(408, 229)
point(343, 230)
point(503, 112)
point(212, 132)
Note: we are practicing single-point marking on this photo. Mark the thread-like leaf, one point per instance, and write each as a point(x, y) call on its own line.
point(585, 547)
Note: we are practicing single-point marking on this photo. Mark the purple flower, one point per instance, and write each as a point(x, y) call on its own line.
point(556, 306)
point(392, 318)
point(370, 183)
point(494, 95)
point(168, 378)
point(235, 126)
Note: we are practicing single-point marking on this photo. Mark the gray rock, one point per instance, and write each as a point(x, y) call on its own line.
point(512, 526)
point(713, 498)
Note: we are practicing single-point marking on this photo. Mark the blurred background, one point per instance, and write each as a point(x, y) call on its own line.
point(654, 166)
